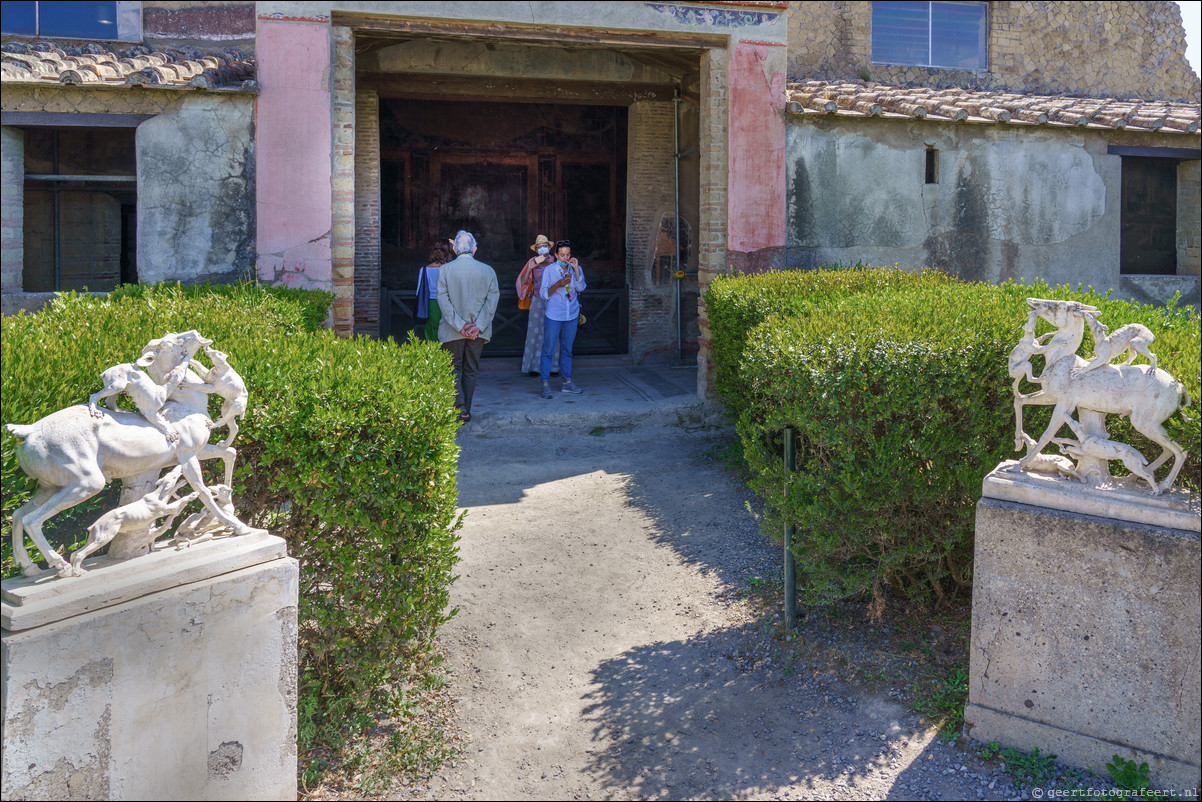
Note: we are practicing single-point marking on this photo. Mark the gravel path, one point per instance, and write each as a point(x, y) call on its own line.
point(605, 647)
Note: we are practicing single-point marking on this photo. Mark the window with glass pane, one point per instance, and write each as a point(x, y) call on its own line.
point(67, 19)
point(931, 34)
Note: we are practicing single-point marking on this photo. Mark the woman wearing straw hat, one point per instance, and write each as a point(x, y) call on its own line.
point(528, 282)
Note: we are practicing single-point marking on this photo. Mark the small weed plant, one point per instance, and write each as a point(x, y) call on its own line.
point(1129, 775)
point(1029, 769)
point(942, 700)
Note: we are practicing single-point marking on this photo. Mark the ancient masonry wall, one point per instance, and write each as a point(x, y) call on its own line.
point(711, 237)
point(367, 213)
point(1189, 218)
point(1093, 48)
point(12, 208)
point(342, 231)
point(649, 195)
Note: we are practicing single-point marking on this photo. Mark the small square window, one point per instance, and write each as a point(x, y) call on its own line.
point(931, 34)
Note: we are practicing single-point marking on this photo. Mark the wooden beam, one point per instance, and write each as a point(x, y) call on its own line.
point(588, 37)
point(72, 119)
point(1154, 153)
point(593, 93)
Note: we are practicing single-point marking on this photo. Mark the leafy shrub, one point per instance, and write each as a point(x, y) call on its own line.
point(314, 304)
point(901, 401)
point(347, 451)
point(737, 304)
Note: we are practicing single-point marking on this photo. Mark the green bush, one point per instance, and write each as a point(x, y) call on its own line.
point(737, 304)
point(901, 401)
point(314, 304)
point(347, 451)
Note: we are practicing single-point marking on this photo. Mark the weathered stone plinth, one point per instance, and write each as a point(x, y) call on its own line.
point(170, 676)
point(1086, 639)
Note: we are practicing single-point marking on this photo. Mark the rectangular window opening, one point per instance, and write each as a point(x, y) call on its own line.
point(932, 174)
point(81, 191)
point(1148, 216)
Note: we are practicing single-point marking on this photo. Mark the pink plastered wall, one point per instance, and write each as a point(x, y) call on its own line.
point(292, 153)
point(756, 175)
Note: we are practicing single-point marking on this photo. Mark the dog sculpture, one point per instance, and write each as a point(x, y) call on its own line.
point(136, 515)
point(147, 396)
point(1131, 339)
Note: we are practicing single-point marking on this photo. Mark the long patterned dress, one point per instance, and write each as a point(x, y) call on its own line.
point(534, 329)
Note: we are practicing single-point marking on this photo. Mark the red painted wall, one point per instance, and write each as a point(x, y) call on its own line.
point(756, 144)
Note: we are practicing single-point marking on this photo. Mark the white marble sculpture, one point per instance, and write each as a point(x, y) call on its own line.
point(75, 452)
point(1091, 390)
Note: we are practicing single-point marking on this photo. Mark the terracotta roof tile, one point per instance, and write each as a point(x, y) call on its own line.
point(861, 99)
point(96, 64)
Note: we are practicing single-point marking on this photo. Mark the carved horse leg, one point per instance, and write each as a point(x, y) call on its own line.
point(1059, 415)
point(20, 554)
point(1020, 401)
point(62, 498)
point(226, 455)
point(192, 473)
point(1151, 428)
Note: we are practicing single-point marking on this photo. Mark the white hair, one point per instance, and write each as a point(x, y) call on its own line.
point(464, 242)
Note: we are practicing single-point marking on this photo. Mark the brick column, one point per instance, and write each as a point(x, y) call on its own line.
point(12, 242)
point(342, 230)
point(711, 236)
point(367, 213)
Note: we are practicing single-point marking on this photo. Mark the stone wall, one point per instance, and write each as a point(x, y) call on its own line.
point(196, 191)
point(857, 192)
point(1093, 48)
point(210, 27)
point(649, 197)
point(12, 208)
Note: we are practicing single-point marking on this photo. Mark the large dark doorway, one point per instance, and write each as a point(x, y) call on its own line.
point(506, 172)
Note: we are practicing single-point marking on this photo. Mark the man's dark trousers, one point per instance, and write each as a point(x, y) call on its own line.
point(465, 356)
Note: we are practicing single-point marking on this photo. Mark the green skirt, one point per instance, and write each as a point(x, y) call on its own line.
point(431, 330)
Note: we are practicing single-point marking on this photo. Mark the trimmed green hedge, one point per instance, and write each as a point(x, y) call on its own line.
point(902, 403)
point(738, 304)
point(347, 451)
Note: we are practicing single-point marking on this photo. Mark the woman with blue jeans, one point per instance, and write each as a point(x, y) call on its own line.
point(562, 282)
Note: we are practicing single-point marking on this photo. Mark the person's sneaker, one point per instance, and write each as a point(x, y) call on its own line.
point(547, 390)
point(568, 387)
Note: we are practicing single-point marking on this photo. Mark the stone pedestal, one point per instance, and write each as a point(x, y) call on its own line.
point(169, 676)
point(1086, 636)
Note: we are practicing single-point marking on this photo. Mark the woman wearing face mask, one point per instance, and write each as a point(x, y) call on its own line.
point(528, 282)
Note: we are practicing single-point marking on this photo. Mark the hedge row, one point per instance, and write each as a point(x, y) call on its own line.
point(899, 393)
point(347, 451)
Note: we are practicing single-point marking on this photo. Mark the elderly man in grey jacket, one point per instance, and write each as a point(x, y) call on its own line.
point(467, 296)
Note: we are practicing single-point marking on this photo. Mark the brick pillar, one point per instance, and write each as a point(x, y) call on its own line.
point(1189, 221)
point(367, 213)
point(711, 236)
point(12, 242)
point(342, 230)
point(649, 196)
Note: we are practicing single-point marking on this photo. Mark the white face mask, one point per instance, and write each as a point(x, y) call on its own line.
point(543, 250)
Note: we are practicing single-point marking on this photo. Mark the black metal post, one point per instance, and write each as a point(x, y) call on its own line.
point(790, 530)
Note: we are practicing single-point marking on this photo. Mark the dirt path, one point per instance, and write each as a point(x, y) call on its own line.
point(603, 648)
